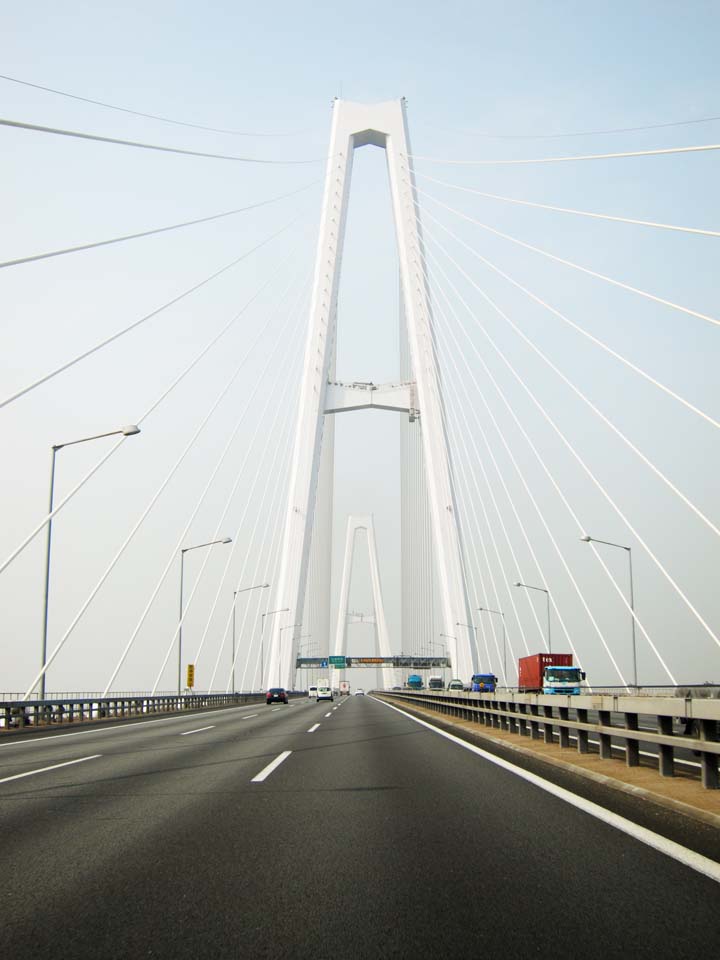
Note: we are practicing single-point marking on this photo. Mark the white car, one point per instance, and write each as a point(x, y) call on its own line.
point(324, 693)
point(312, 691)
point(359, 692)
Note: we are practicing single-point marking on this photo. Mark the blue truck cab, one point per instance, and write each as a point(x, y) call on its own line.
point(414, 681)
point(483, 683)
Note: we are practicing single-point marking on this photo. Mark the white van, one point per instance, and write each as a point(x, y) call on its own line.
point(324, 690)
point(312, 691)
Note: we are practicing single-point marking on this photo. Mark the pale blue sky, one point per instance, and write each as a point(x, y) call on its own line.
point(508, 69)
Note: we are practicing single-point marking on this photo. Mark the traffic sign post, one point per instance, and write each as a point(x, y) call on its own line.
point(191, 675)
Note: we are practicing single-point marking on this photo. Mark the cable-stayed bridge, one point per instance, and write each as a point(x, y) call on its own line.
point(491, 420)
point(549, 487)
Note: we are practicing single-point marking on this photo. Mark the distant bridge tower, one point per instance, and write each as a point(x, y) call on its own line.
point(355, 525)
point(309, 507)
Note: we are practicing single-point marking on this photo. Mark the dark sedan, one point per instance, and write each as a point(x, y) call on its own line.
point(276, 695)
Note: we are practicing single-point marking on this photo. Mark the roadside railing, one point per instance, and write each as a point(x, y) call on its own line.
point(680, 723)
point(701, 691)
point(16, 714)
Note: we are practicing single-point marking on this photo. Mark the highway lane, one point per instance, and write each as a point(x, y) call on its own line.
point(373, 836)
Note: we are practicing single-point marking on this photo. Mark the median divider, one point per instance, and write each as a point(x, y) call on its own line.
point(32, 714)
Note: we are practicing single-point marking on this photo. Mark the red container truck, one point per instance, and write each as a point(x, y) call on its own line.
point(549, 673)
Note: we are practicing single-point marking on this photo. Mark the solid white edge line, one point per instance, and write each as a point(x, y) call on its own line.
point(199, 730)
point(55, 766)
point(313, 728)
point(266, 771)
point(696, 861)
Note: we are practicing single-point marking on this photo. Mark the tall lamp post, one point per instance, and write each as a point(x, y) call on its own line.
point(268, 613)
point(621, 546)
point(547, 597)
point(289, 626)
point(500, 614)
point(183, 551)
point(130, 431)
point(257, 586)
point(471, 626)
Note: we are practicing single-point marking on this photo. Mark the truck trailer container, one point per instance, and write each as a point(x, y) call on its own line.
point(549, 673)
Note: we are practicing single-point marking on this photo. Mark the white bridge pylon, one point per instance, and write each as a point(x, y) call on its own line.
point(355, 525)
point(356, 125)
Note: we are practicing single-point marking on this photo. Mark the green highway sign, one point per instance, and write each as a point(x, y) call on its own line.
point(337, 661)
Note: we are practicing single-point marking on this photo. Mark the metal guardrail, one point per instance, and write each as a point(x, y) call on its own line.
point(701, 691)
point(16, 715)
point(539, 715)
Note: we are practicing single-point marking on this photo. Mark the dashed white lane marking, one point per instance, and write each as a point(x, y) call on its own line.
point(274, 709)
point(199, 730)
point(313, 728)
point(55, 766)
point(266, 771)
point(329, 714)
point(125, 727)
point(696, 861)
point(334, 708)
point(249, 716)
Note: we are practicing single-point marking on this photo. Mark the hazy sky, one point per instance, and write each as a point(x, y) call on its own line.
point(515, 71)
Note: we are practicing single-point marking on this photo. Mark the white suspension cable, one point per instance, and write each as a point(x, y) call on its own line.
point(153, 406)
point(577, 266)
point(453, 429)
point(488, 447)
point(135, 528)
point(592, 156)
point(273, 560)
point(579, 213)
point(137, 323)
point(556, 487)
point(148, 233)
point(547, 529)
point(220, 460)
point(273, 567)
point(272, 471)
point(579, 393)
point(274, 513)
point(541, 573)
point(561, 316)
point(462, 434)
point(292, 344)
point(543, 639)
point(246, 459)
point(467, 497)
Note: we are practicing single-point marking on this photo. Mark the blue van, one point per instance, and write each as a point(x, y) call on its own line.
point(483, 683)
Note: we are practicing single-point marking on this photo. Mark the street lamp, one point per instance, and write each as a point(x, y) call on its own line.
point(500, 614)
point(183, 551)
point(289, 626)
point(257, 586)
point(443, 646)
point(547, 597)
point(129, 431)
point(472, 627)
point(621, 546)
point(268, 613)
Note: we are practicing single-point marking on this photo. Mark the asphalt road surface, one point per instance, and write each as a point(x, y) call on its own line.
point(330, 830)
